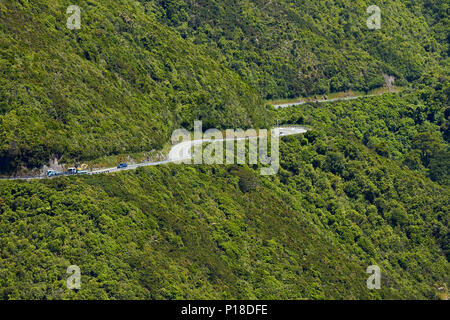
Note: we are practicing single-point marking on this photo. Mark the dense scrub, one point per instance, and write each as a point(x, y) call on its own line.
point(137, 70)
point(369, 184)
point(411, 128)
point(288, 48)
point(121, 83)
point(178, 232)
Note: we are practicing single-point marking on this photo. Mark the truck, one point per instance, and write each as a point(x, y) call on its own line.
point(53, 173)
point(70, 171)
point(75, 170)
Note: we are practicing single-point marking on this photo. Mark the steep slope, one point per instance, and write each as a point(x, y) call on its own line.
point(412, 128)
point(289, 48)
point(369, 185)
point(121, 83)
point(195, 232)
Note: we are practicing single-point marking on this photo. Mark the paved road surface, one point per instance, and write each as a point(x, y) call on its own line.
point(179, 152)
point(291, 104)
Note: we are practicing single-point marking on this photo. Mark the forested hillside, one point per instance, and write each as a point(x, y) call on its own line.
point(195, 232)
point(368, 184)
point(289, 48)
point(136, 70)
point(412, 128)
point(121, 83)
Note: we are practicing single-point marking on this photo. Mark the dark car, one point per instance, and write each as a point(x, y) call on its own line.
point(122, 165)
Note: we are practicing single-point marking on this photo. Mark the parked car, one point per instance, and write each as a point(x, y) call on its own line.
point(122, 165)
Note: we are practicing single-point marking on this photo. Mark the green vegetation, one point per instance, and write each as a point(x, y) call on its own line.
point(193, 232)
point(137, 70)
point(121, 84)
point(340, 203)
point(368, 185)
point(292, 48)
point(411, 128)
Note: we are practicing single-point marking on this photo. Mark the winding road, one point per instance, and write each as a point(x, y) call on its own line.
point(291, 104)
point(182, 151)
point(178, 153)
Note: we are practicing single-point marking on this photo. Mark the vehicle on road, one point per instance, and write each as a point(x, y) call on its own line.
point(51, 173)
point(75, 170)
point(122, 165)
point(81, 167)
point(72, 171)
